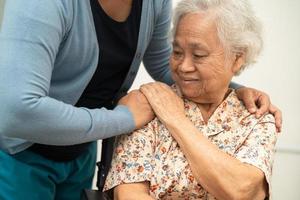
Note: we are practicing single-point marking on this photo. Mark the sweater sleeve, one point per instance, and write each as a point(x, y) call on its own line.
point(156, 58)
point(30, 39)
point(235, 85)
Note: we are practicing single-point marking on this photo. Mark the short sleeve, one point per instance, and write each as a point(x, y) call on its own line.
point(133, 157)
point(259, 148)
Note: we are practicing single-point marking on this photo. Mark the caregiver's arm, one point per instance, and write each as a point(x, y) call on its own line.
point(30, 40)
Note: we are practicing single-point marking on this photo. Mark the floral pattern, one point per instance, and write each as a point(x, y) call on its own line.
point(151, 154)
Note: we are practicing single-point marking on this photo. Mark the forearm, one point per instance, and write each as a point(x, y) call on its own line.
point(132, 191)
point(220, 174)
point(51, 122)
point(131, 195)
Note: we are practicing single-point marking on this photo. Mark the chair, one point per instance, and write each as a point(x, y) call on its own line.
point(103, 167)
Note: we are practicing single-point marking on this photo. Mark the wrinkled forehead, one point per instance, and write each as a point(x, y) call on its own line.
point(196, 23)
point(196, 29)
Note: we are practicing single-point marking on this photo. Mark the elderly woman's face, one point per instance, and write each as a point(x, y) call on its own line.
point(198, 62)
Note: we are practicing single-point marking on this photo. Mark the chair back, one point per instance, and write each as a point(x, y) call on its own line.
point(104, 164)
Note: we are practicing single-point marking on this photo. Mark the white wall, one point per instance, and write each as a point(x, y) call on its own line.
point(277, 73)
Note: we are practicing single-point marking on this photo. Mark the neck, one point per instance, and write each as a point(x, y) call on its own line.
point(210, 103)
point(118, 10)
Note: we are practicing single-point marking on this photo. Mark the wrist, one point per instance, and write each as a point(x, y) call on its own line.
point(177, 122)
point(173, 120)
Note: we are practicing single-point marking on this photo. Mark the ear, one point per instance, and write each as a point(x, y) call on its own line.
point(238, 62)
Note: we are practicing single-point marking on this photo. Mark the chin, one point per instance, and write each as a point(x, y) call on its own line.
point(189, 92)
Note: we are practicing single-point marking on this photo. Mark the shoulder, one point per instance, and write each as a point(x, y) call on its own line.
point(238, 111)
point(55, 13)
point(241, 108)
point(31, 15)
point(237, 106)
point(248, 120)
point(32, 7)
point(268, 118)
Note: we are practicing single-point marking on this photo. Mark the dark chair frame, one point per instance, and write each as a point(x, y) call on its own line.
point(103, 167)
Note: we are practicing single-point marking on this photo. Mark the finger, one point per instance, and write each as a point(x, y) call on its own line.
point(151, 93)
point(147, 84)
point(278, 121)
point(159, 86)
point(167, 88)
point(263, 102)
point(249, 103)
point(278, 117)
point(146, 90)
point(155, 89)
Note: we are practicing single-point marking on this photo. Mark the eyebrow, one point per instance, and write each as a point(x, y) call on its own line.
point(197, 46)
point(192, 45)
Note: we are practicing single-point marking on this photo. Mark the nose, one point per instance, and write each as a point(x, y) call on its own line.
point(186, 65)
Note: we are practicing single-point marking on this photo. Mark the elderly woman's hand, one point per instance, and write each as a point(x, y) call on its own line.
point(167, 106)
point(259, 103)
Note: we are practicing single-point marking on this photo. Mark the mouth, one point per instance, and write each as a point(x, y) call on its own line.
point(189, 80)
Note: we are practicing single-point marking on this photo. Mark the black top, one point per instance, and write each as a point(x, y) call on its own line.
point(117, 46)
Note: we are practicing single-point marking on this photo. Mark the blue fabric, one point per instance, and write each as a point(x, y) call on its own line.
point(27, 175)
point(235, 86)
point(48, 54)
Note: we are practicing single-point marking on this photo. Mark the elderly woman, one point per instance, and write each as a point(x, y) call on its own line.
point(204, 144)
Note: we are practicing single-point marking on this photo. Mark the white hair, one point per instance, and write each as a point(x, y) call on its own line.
point(238, 28)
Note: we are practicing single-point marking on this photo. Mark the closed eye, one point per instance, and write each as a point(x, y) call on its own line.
point(198, 56)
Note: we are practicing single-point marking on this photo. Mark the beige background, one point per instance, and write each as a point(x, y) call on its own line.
point(277, 73)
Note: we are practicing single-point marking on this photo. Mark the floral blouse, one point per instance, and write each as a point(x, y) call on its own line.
point(151, 154)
